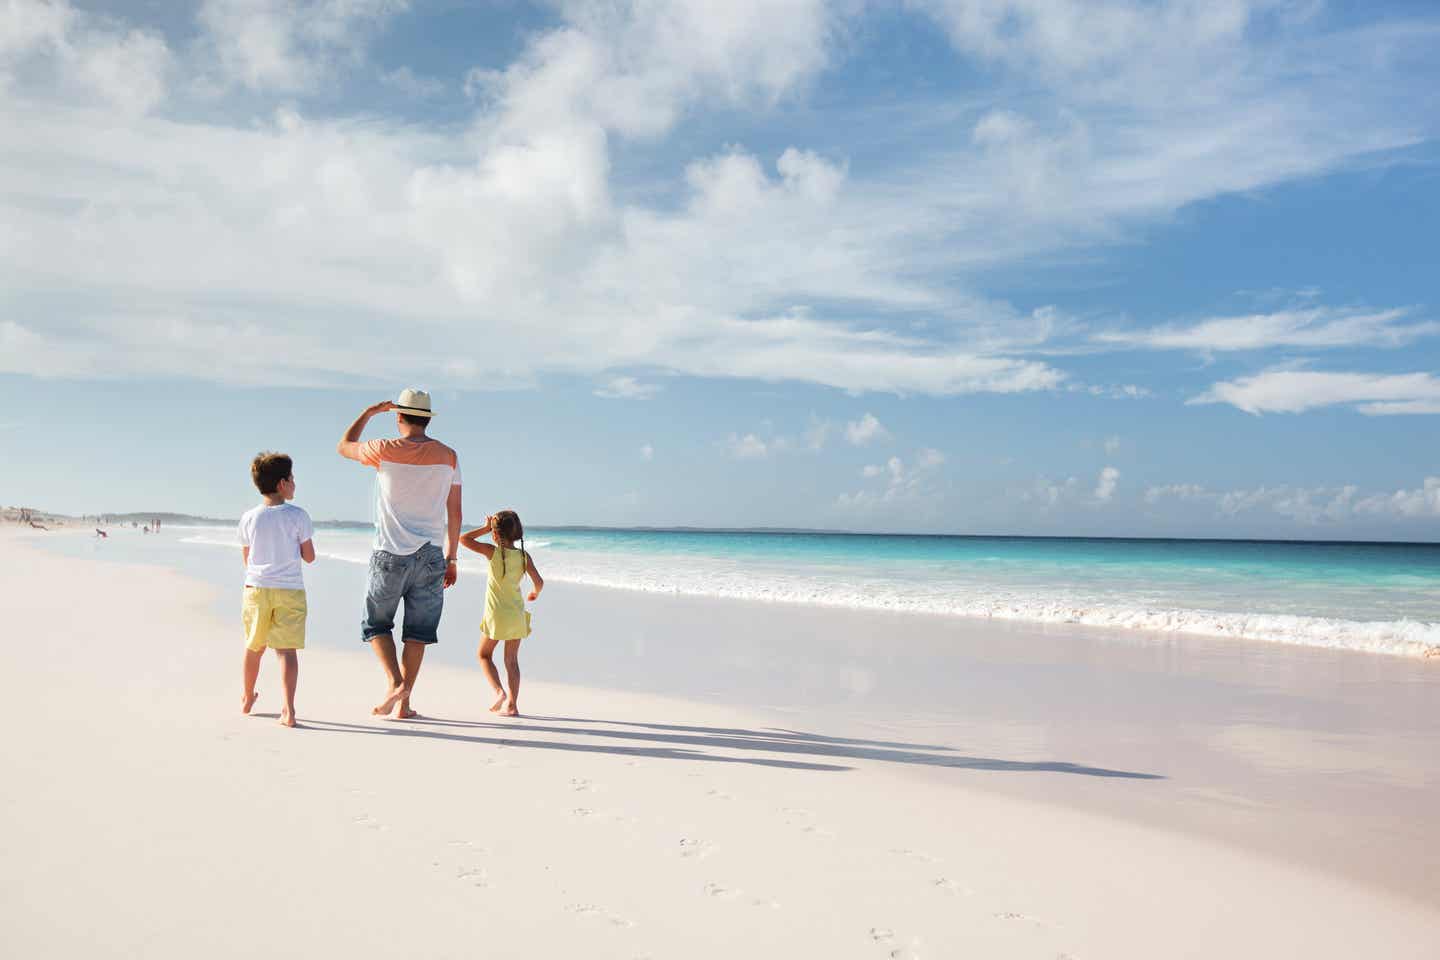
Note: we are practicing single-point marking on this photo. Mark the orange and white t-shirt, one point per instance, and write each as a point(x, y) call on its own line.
point(415, 481)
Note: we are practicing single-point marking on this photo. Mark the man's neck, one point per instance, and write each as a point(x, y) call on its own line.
point(274, 500)
point(411, 432)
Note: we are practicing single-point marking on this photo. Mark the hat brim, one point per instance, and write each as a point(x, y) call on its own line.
point(413, 411)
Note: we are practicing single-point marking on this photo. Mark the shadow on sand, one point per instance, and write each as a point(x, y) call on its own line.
point(769, 747)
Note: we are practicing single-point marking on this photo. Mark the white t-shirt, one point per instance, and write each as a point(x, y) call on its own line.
point(274, 535)
point(415, 477)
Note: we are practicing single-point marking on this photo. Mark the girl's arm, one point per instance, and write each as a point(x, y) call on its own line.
point(470, 540)
point(535, 578)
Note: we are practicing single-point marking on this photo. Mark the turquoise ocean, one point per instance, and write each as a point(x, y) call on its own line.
point(1376, 597)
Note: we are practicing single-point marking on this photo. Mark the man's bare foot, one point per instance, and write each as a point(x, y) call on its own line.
point(499, 702)
point(511, 710)
point(287, 718)
point(248, 701)
point(385, 706)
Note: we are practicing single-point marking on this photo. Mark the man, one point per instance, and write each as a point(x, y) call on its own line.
point(418, 505)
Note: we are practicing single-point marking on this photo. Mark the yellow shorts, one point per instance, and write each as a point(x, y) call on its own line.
point(273, 618)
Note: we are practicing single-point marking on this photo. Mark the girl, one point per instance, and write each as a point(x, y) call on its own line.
point(505, 617)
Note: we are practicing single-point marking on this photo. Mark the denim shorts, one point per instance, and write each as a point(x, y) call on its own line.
point(419, 580)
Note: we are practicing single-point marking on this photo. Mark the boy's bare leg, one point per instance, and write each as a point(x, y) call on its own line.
point(384, 646)
point(512, 674)
point(487, 664)
point(410, 660)
point(252, 673)
point(289, 675)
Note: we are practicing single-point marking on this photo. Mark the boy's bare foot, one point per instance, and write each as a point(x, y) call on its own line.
point(510, 710)
point(248, 701)
point(499, 702)
point(388, 704)
point(287, 718)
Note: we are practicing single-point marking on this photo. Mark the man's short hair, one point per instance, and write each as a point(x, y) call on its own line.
point(268, 469)
point(415, 421)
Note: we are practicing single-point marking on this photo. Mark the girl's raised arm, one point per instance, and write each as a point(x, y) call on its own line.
point(470, 539)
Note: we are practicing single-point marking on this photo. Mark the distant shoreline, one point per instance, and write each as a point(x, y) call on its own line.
point(185, 519)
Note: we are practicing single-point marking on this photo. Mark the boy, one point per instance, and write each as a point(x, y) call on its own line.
point(275, 537)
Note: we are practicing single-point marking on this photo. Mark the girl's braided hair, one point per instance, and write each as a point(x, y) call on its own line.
point(512, 531)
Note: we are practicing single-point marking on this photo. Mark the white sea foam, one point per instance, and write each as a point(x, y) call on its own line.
point(729, 579)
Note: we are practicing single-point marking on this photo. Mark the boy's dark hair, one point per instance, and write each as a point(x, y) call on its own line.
point(510, 529)
point(414, 420)
point(268, 469)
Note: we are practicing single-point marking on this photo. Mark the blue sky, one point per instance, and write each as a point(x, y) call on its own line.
point(993, 266)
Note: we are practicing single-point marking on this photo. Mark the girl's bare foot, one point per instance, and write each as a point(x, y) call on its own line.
point(499, 702)
point(287, 718)
point(248, 701)
point(388, 704)
point(405, 713)
point(511, 710)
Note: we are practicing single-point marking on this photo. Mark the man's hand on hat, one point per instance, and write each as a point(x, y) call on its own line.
point(382, 406)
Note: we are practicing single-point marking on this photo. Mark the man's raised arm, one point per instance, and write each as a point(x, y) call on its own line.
point(349, 445)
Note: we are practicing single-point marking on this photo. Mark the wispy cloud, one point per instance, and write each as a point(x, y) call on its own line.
point(1283, 390)
point(1318, 328)
point(626, 388)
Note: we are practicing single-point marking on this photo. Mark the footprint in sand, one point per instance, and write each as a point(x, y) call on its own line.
point(582, 812)
point(718, 795)
point(881, 935)
point(915, 855)
point(950, 886)
point(581, 785)
point(365, 820)
point(475, 876)
point(591, 912)
point(715, 890)
point(692, 849)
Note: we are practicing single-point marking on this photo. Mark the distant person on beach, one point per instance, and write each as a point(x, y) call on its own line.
point(274, 536)
point(417, 510)
point(505, 616)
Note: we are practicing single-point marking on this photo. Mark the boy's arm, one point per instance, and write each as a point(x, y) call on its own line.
point(307, 551)
point(535, 578)
point(349, 445)
point(245, 555)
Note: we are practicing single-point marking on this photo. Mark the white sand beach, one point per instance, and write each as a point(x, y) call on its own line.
point(1053, 811)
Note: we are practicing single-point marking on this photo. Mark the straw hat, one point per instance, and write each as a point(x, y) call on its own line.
point(414, 402)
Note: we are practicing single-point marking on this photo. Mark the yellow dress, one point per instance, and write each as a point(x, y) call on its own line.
point(505, 616)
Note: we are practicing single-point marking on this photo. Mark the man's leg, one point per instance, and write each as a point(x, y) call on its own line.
point(382, 597)
point(411, 659)
point(385, 650)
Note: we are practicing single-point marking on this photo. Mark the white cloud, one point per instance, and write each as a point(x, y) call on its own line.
point(863, 431)
point(747, 447)
point(1423, 502)
point(902, 482)
point(1308, 505)
point(1105, 484)
point(288, 45)
point(1317, 327)
point(1283, 390)
point(1051, 494)
point(647, 453)
point(816, 433)
point(320, 232)
point(626, 388)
